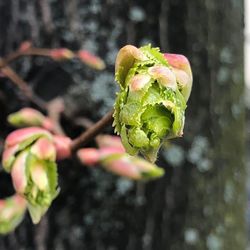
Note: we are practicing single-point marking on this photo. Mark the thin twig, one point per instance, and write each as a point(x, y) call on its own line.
point(24, 87)
point(28, 52)
point(86, 136)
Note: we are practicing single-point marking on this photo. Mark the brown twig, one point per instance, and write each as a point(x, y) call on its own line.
point(90, 133)
point(28, 52)
point(24, 87)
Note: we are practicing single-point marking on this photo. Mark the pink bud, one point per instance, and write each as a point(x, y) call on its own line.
point(91, 60)
point(139, 81)
point(63, 146)
point(125, 59)
point(25, 46)
point(123, 167)
point(26, 117)
point(180, 63)
point(164, 75)
point(20, 135)
point(44, 149)
point(104, 141)
point(61, 54)
point(39, 176)
point(48, 124)
point(89, 156)
point(18, 173)
point(177, 61)
point(105, 152)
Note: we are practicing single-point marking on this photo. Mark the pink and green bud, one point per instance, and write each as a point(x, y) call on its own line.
point(44, 149)
point(109, 141)
point(125, 59)
point(89, 156)
point(28, 117)
point(61, 54)
point(113, 158)
point(18, 174)
point(164, 75)
point(39, 176)
point(12, 211)
point(132, 167)
point(26, 136)
point(183, 72)
point(139, 81)
point(29, 156)
point(91, 60)
point(63, 146)
point(150, 106)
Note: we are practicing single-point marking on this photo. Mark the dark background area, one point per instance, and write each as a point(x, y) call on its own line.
point(200, 202)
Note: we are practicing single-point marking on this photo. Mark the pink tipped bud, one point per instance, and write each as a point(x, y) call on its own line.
point(104, 141)
point(26, 117)
point(139, 81)
point(132, 167)
point(39, 177)
point(91, 60)
point(48, 124)
point(89, 156)
point(61, 54)
point(25, 46)
point(125, 59)
point(63, 146)
point(123, 167)
point(44, 149)
point(180, 63)
point(18, 173)
point(108, 151)
point(177, 61)
point(23, 134)
point(164, 75)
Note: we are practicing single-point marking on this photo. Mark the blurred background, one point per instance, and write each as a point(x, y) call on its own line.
point(201, 201)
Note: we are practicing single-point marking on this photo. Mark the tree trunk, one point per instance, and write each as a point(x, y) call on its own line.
point(200, 202)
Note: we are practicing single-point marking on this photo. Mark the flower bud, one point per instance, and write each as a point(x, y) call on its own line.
point(91, 60)
point(28, 117)
point(126, 58)
point(113, 158)
point(24, 46)
point(63, 146)
point(132, 167)
point(29, 156)
point(89, 156)
point(151, 105)
point(182, 70)
point(61, 54)
point(109, 141)
point(12, 210)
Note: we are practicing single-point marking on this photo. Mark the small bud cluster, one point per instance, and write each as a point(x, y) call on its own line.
point(29, 156)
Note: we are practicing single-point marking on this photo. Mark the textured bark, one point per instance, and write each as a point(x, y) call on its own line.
point(200, 202)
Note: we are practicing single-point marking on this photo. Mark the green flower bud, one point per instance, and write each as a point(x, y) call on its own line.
point(29, 156)
point(12, 210)
point(151, 104)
